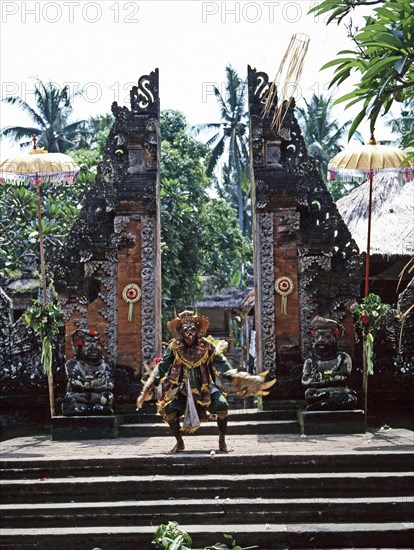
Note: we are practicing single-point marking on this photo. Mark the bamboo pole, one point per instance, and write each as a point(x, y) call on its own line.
point(43, 276)
point(366, 292)
point(367, 259)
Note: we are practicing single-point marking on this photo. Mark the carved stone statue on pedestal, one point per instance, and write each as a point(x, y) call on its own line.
point(326, 373)
point(89, 378)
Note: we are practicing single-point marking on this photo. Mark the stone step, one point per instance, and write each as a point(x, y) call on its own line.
point(210, 428)
point(286, 485)
point(208, 511)
point(182, 463)
point(234, 415)
point(265, 536)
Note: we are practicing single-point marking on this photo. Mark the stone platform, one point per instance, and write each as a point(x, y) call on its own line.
point(74, 428)
point(332, 422)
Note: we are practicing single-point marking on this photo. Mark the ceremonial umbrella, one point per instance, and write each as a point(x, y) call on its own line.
point(357, 163)
point(368, 160)
point(37, 167)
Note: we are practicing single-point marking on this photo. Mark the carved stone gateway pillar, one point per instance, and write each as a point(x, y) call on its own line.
point(306, 262)
point(108, 275)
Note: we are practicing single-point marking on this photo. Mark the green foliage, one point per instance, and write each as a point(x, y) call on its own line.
point(369, 313)
point(172, 122)
point(368, 319)
point(200, 235)
point(383, 58)
point(230, 141)
point(322, 136)
point(45, 320)
point(19, 232)
point(226, 251)
point(183, 195)
point(339, 188)
point(171, 537)
point(50, 117)
point(403, 124)
point(91, 148)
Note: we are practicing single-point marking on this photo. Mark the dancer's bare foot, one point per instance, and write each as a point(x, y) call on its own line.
point(223, 445)
point(179, 446)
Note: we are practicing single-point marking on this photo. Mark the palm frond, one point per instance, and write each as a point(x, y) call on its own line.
point(215, 155)
point(19, 132)
point(25, 107)
point(197, 129)
point(222, 104)
point(213, 140)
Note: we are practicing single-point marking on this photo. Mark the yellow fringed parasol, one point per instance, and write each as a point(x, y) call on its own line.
point(357, 162)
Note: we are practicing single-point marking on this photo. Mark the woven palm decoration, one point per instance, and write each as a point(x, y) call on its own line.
point(287, 79)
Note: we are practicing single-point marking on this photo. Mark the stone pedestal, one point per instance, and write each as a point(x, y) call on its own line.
point(74, 428)
point(332, 422)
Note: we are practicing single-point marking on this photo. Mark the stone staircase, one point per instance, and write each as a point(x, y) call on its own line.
point(241, 421)
point(287, 500)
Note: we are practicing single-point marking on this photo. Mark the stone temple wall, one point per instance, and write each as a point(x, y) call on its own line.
point(300, 240)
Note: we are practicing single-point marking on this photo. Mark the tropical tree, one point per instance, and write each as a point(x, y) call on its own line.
point(50, 117)
point(321, 132)
point(91, 148)
point(95, 132)
point(19, 231)
point(230, 142)
point(403, 124)
point(382, 59)
point(323, 136)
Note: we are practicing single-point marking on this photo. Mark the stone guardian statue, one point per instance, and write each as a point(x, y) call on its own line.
point(326, 372)
point(89, 377)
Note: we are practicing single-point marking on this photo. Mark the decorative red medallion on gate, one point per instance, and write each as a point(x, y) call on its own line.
point(284, 286)
point(131, 294)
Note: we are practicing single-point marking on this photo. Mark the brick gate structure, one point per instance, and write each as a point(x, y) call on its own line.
point(115, 243)
point(306, 262)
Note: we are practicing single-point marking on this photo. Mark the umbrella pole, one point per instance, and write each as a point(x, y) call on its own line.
point(367, 259)
point(42, 255)
point(43, 272)
point(365, 383)
point(366, 292)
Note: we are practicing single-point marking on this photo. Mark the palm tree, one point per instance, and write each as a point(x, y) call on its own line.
point(322, 134)
point(230, 139)
point(50, 118)
point(403, 126)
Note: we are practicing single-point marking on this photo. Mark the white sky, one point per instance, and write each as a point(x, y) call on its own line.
point(105, 46)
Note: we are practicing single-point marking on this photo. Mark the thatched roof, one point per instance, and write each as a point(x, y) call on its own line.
point(392, 229)
point(230, 298)
point(248, 301)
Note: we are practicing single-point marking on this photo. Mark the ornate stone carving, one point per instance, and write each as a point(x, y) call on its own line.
point(104, 273)
point(149, 289)
point(142, 96)
point(267, 292)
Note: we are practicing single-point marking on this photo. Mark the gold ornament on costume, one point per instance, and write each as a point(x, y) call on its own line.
point(284, 286)
point(248, 385)
point(202, 323)
point(131, 294)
